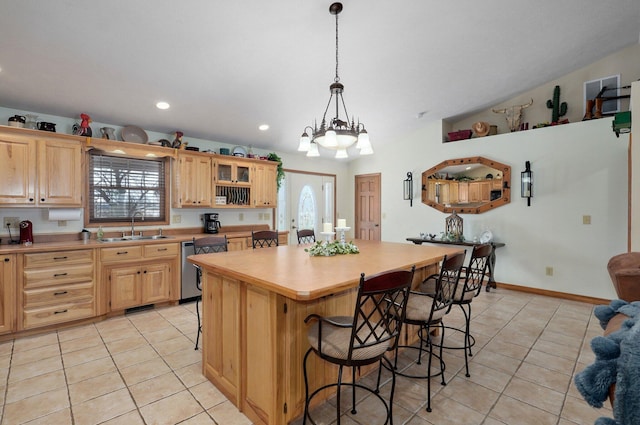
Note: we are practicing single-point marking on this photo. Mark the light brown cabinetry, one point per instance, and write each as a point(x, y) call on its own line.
point(7, 292)
point(192, 180)
point(57, 287)
point(265, 193)
point(136, 275)
point(233, 180)
point(41, 171)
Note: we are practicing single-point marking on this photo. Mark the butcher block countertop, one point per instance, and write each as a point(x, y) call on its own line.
point(293, 273)
point(71, 241)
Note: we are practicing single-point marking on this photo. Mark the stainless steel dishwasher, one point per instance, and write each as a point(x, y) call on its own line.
point(188, 289)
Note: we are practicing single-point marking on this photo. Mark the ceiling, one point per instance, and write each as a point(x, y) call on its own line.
point(228, 66)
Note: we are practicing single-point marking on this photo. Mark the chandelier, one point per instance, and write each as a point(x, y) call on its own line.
point(335, 134)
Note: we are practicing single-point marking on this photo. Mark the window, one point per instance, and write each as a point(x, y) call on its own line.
point(121, 187)
point(606, 87)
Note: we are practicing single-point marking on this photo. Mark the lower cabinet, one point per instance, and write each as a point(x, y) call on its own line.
point(7, 292)
point(137, 275)
point(57, 287)
point(134, 286)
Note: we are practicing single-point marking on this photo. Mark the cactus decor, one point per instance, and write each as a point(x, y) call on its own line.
point(558, 109)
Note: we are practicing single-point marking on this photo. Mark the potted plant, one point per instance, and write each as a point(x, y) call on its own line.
point(280, 172)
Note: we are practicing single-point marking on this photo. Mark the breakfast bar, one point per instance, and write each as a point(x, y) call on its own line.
point(254, 305)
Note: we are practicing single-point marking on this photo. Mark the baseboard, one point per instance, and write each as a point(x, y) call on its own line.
point(555, 294)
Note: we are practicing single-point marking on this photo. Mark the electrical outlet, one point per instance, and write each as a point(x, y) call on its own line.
point(13, 222)
point(586, 219)
point(241, 217)
point(62, 223)
point(267, 216)
point(548, 271)
point(176, 218)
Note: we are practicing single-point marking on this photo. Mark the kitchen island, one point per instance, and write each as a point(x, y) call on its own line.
point(254, 304)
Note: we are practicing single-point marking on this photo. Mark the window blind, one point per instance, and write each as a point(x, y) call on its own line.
point(120, 187)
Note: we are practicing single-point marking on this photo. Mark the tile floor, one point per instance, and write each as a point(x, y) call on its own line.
point(142, 369)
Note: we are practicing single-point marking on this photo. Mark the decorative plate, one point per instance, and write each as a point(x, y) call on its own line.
point(134, 134)
point(486, 236)
point(239, 151)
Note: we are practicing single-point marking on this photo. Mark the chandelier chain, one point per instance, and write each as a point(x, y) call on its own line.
point(337, 79)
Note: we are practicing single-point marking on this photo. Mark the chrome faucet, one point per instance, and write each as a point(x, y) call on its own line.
point(133, 216)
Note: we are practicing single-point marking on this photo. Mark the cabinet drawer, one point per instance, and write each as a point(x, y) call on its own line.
point(133, 252)
point(44, 259)
point(53, 296)
point(58, 275)
point(64, 312)
point(161, 250)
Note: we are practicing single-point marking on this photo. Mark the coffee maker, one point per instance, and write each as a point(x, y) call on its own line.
point(211, 223)
point(26, 232)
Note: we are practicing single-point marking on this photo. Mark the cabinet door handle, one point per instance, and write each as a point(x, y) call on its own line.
point(61, 311)
point(123, 252)
point(60, 258)
point(41, 199)
point(60, 293)
point(162, 249)
point(6, 260)
point(59, 274)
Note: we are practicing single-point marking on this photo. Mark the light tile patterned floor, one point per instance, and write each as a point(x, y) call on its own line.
point(141, 369)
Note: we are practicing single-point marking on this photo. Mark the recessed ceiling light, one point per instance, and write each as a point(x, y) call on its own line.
point(263, 127)
point(162, 105)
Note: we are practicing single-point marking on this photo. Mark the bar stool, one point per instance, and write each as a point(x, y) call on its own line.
point(471, 279)
point(426, 310)
point(264, 239)
point(206, 245)
point(306, 236)
point(362, 339)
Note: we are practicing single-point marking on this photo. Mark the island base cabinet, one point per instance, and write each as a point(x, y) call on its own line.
point(221, 334)
point(254, 339)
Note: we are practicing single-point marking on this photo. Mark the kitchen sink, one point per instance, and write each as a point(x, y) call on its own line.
point(135, 238)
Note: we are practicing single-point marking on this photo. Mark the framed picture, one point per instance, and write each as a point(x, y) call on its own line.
point(603, 87)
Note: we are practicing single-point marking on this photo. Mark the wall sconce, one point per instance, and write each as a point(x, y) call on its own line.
point(526, 183)
point(408, 188)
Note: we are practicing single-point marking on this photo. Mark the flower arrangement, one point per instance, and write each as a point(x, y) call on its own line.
point(327, 249)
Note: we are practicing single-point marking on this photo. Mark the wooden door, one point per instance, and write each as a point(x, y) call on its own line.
point(17, 172)
point(7, 292)
point(368, 207)
point(125, 287)
point(60, 173)
point(155, 283)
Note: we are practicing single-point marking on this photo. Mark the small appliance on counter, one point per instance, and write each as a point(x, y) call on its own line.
point(26, 232)
point(211, 223)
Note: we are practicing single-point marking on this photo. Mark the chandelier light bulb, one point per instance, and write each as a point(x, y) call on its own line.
point(313, 150)
point(341, 153)
point(330, 139)
point(305, 143)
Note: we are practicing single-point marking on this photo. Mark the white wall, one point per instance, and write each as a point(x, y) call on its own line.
point(579, 169)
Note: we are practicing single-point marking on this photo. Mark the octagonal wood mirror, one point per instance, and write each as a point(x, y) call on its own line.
point(467, 185)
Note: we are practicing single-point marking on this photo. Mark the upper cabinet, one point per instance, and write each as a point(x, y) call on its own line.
point(265, 194)
point(192, 180)
point(39, 170)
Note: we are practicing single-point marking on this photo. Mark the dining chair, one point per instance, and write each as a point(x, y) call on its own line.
point(264, 238)
point(206, 245)
point(426, 309)
point(306, 236)
point(361, 339)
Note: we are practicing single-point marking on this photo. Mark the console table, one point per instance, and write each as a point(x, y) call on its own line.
point(492, 260)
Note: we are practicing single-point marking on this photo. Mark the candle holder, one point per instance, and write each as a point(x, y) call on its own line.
point(328, 235)
point(341, 231)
